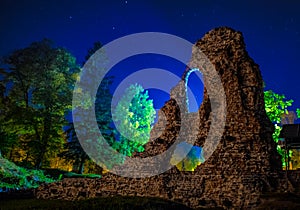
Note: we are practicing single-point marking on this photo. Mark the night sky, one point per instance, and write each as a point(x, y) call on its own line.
point(271, 30)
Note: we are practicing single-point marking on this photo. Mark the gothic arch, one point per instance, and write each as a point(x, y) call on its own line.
point(186, 78)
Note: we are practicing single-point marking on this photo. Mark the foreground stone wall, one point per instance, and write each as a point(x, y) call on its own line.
point(245, 163)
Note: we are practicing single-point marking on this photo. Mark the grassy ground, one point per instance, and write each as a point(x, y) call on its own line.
point(13, 177)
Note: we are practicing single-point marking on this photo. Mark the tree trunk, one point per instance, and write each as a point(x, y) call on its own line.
point(44, 140)
point(81, 165)
point(39, 161)
point(10, 154)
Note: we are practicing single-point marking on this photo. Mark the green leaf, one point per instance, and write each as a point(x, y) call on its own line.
point(276, 105)
point(133, 116)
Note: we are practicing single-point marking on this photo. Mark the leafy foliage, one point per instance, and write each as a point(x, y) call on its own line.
point(41, 77)
point(133, 116)
point(97, 45)
point(276, 105)
point(73, 149)
point(15, 177)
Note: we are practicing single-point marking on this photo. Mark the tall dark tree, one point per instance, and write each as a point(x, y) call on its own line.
point(73, 148)
point(5, 141)
point(97, 45)
point(42, 78)
point(73, 151)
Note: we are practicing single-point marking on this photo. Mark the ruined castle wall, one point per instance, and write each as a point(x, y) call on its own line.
point(245, 163)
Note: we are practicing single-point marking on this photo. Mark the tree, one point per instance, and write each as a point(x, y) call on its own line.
point(73, 148)
point(42, 78)
point(298, 112)
point(276, 105)
point(97, 45)
point(133, 116)
point(7, 141)
point(103, 96)
point(2, 98)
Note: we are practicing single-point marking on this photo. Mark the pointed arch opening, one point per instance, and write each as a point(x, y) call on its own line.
point(194, 89)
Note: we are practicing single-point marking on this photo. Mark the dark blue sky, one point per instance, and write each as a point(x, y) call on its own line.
point(271, 28)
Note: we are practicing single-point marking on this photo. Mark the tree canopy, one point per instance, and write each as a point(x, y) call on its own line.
point(73, 149)
point(41, 79)
point(133, 115)
point(276, 106)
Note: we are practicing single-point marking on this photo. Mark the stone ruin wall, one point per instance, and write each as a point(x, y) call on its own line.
point(245, 163)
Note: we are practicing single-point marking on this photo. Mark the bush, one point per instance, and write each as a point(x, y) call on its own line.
point(13, 177)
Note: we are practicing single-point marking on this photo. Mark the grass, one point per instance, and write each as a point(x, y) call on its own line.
point(13, 177)
point(59, 174)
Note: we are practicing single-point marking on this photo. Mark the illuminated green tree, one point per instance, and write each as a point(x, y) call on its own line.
point(133, 116)
point(42, 77)
point(276, 105)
